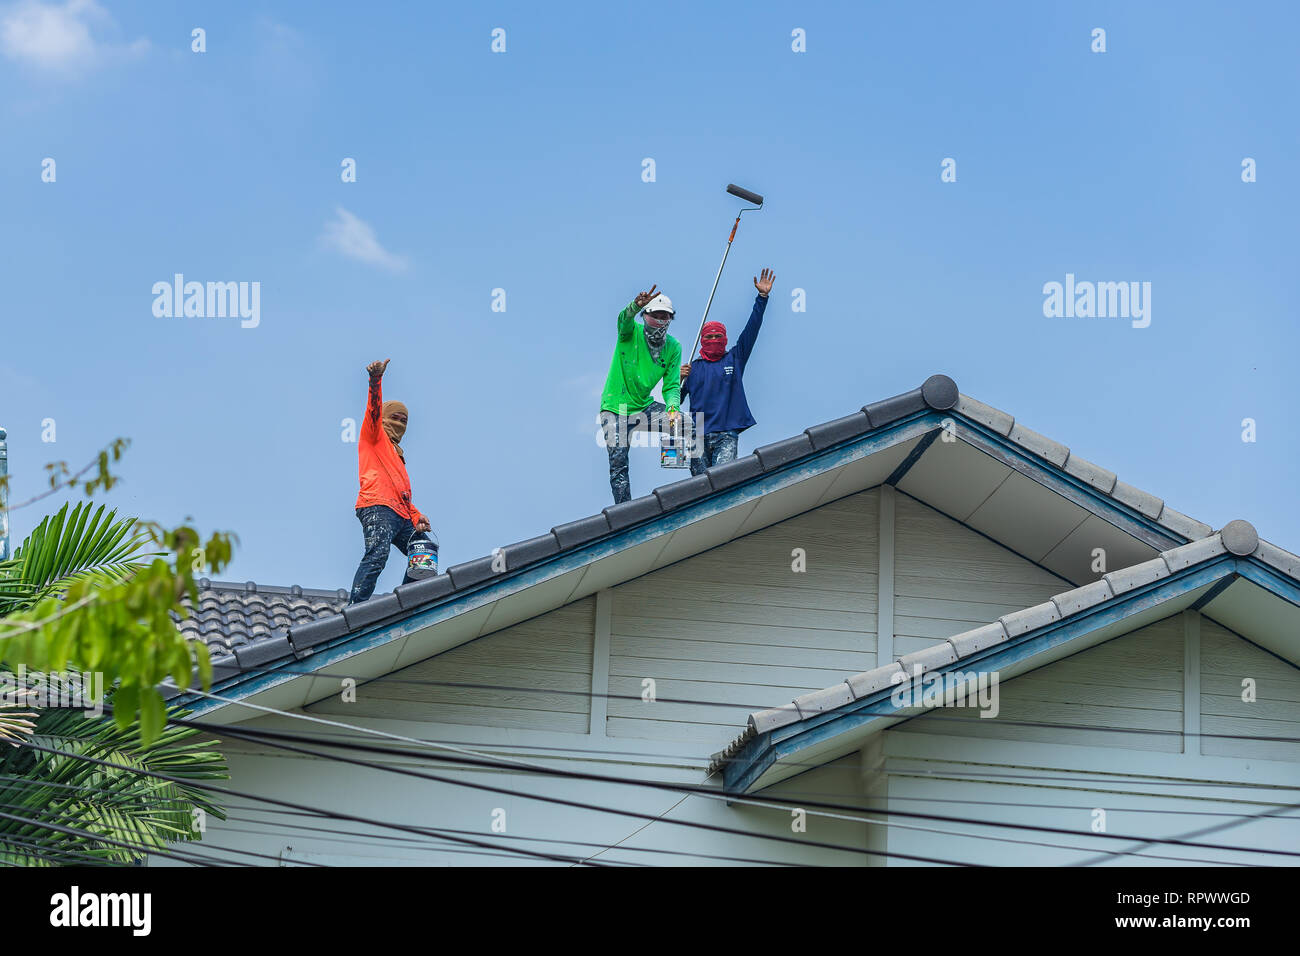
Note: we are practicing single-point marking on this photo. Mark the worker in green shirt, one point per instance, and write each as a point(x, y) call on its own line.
point(644, 356)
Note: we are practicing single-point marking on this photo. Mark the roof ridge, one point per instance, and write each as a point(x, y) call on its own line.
point(1236, 537)
point(252, 587)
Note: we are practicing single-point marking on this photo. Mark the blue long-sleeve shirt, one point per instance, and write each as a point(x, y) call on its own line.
point(717, 389)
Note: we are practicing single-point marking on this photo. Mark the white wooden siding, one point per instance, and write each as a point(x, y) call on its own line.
point(949, 579)
point(1133, 683)
point(546, 661)
point(736, 630)
point(1227, 660)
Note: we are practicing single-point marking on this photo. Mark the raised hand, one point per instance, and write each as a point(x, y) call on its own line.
point(764, 285)
point(645, 297)
point(376, 369)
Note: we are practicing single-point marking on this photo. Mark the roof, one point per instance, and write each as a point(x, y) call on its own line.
point(1207, 568)
point(231, 615)
point(885, 441)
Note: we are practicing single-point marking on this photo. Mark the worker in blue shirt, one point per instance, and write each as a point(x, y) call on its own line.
point(716, 384)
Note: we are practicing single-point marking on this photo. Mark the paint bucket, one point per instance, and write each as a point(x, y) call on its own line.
point(422, 558)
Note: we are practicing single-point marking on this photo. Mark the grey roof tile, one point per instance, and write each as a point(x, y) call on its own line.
point(581, 531)
point(999, 421)
point(928, 659)
point(1123, 580)
point(1239, 537)
point(891, 409)
point(979, 639)
point(869, 682)
point(533, 549)
point(841, 429)
point(1140, 501)
point(771, 719)
point(781, 452)
point(940, 392)
point(1052, 452)
point(1030, 618)
point(1189, 528)
point(303, 636)
point(469, 573)
point(820, 701)
point(633, 512)
point(1080, 598)
point(263, 652)
point(423, 591)
point(734, 472)
point(1194, 552)
point(683, 492)
point(230, 616)
point(223, 666)
point(1095, 475)
point(1279, 558)
point(368, 612)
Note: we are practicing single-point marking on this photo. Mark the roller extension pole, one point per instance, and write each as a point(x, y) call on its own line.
point(748, 196)
point(679, 433)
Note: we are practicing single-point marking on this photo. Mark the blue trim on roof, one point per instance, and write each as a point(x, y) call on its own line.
point(1257, 572)
point(758, 755)
point(910, 426)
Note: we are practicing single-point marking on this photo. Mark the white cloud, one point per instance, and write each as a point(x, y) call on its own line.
point(61, 37)
point(357, 240)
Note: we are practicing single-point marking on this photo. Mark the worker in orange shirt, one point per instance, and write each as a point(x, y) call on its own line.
point(388, 518)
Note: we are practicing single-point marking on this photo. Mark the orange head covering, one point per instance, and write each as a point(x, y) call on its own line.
point(394, 427)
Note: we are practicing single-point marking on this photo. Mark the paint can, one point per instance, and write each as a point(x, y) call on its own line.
point(422, 558)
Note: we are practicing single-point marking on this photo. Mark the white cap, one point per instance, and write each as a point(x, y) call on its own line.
point(660, 303)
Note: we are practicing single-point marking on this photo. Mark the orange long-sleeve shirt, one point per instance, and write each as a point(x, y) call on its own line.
point(384, 480)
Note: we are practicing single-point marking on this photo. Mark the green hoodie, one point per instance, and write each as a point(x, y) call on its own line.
point(633, 374)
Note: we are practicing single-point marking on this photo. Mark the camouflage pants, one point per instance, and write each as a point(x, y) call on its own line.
point(618, 430)
point(383, 528)
point(719, 448)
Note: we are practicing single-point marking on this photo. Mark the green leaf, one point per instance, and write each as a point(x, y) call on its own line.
point(153, 714)
point(126, 701)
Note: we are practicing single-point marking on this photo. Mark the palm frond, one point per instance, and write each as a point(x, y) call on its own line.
point(66, 547)
point(85, 776)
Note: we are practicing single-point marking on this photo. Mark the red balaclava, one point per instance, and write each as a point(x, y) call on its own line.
point(712, 351)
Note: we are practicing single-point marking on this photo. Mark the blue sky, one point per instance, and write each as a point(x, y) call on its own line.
point(522, 171)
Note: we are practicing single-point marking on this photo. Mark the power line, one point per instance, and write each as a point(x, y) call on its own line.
point(556, 800)
point(498, 765)
point(225, 790)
